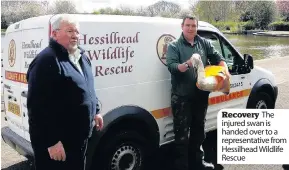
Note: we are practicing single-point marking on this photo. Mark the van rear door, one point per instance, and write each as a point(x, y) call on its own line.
point(12, 58)
point(31, 46)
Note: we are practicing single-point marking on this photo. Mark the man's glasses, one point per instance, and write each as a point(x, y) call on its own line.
point(70, 32)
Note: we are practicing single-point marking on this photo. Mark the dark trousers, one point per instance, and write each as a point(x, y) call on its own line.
point(285, 166)
point(75, 158)
point(189, 118)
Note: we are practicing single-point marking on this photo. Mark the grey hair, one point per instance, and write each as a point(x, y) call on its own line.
point(60, 18)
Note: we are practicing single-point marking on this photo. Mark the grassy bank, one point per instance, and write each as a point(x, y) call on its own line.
point(260, 33)
point(249, 27)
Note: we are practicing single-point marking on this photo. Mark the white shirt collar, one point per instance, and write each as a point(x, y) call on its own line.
point(75, 57)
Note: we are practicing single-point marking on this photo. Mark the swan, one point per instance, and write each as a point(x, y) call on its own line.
point(210, 78)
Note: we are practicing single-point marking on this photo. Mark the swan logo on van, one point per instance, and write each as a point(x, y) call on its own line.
point(12, 53)
point(162, 46)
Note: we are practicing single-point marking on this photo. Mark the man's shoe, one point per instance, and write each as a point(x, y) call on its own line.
point(202, 166)
point(207, 166)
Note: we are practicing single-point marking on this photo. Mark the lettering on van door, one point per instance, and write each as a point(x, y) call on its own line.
point(237, 84)
point(30, 49)
point(115, 47)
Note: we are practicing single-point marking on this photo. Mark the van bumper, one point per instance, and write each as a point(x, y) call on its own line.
point(18, 143)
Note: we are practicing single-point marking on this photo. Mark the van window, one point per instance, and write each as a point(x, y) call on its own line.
point(213, 38)
point(230, 55)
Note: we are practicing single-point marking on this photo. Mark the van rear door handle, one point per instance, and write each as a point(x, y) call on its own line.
point(24, 94)
point(7, 86)
point(11, 98)
point(242, 77)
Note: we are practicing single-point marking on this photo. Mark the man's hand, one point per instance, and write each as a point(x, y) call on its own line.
point(183, 67)
point(227, 72)
point(57, 152)
point(228, 75)
point(98, 121)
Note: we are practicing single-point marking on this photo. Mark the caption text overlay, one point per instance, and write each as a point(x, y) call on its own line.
point(253, 136)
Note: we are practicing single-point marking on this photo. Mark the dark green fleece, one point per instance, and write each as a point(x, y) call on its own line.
point(179, 51)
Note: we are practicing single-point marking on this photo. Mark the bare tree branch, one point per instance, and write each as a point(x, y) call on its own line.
point(14, 11)
point(60, 7)
point(163, 8)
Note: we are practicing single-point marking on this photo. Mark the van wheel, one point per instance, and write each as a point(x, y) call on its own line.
point(123, 151)
point(262, 101)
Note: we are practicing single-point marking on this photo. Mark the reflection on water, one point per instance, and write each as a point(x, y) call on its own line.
point(260, 47)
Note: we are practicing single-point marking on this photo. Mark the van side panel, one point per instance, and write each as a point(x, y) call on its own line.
point(128, 68)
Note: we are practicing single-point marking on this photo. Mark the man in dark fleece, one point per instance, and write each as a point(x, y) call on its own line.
point(62, 104)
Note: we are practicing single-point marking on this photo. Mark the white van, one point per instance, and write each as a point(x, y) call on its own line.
point(132, 82)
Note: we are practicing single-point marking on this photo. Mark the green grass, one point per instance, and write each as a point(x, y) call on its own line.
point(226, 25)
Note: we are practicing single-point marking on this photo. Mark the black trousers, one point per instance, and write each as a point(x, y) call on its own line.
point(189, 127)
point(75, 158)
point(285, 166)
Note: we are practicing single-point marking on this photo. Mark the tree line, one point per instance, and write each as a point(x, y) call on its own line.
point(14, 11)
point(226, 15)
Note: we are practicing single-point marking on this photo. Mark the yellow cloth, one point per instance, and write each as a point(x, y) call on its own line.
point(211, 78)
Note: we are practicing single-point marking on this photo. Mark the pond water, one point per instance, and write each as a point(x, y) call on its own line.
point(260, 47)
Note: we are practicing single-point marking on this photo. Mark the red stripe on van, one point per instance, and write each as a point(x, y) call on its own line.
point(158, 113)
point(15, 76)
point(165, 112)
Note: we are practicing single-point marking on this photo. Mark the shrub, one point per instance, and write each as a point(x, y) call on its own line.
point(226, 25)
point(249, 25)
point(279, 26)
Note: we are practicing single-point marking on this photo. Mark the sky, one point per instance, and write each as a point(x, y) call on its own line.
point(90, 5)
